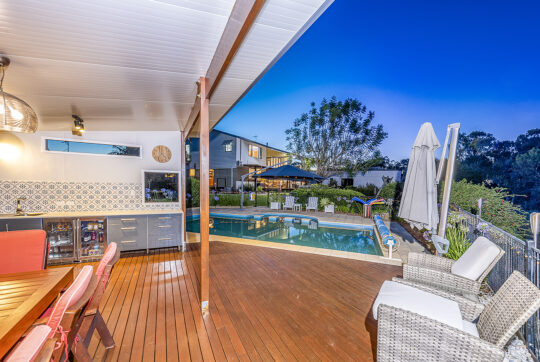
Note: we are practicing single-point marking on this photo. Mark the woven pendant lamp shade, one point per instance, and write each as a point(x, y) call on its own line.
point(15, 114)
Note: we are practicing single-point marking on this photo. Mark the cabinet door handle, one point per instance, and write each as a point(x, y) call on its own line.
point(165, 239)
point(131, 219)
point(128, 241)
point(164, 226)
point(129, 228)
point(165, 218)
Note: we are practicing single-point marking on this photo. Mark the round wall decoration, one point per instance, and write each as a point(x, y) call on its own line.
point(162, 154)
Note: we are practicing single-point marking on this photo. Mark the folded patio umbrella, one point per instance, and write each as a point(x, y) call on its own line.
point(419, 199)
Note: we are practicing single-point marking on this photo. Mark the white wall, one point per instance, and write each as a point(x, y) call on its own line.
point(244, 154)
point(38, 165)
point(374, 177)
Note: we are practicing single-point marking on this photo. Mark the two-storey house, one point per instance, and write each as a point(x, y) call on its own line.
point(232, 156)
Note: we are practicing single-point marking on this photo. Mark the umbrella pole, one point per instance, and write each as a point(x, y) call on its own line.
point(449, 177)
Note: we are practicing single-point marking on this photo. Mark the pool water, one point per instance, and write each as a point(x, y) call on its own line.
point(353, 240)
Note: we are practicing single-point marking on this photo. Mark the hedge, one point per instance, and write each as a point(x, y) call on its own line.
point(217, 199)
point(339, 197)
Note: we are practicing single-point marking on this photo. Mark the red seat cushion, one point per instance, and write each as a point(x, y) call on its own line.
point(22, 251)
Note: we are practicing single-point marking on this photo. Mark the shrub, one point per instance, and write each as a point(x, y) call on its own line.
point(275, 197)
point(457, 234)
point(495, 210)
point(369, 190)
point(391, 191)
point(192, 191)
point(339, 197)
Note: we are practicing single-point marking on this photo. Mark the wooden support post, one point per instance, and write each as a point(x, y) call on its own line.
point(183, 183)
point(204, 151)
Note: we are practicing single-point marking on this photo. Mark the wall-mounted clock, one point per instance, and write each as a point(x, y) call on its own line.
point(161, 154)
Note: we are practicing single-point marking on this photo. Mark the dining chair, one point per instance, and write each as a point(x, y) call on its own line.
point(91, 318)
point(50, 340)
point(23, 251)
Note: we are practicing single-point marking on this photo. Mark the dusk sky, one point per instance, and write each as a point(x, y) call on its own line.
point(474, 62)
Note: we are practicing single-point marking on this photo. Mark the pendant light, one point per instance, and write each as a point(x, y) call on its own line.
point(15, 114)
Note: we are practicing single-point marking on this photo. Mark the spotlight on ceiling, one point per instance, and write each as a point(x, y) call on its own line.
point(78, 125)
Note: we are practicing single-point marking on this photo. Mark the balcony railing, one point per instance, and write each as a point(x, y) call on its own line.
point(519, 255)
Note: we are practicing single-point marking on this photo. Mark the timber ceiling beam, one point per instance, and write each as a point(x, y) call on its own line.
point(242, 17)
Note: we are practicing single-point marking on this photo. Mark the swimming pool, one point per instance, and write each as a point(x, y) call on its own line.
point(357, 238)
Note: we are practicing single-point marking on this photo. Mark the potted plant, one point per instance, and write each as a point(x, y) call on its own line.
point(328, 205)
point(275, 201)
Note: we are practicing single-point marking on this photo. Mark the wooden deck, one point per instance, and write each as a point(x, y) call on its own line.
point(265, 304)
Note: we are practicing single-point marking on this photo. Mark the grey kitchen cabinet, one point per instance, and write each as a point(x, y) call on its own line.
point(129, 232)
point(143, 232)
point(20, 224)
point(164, 230)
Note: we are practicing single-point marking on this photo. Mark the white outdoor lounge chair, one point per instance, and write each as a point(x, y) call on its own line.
point(289, 203)
point(464, 275)
point(414, 326)
point(313, 204)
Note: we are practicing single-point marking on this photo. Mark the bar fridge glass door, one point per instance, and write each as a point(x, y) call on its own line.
point(92, 238)
point(61, 238)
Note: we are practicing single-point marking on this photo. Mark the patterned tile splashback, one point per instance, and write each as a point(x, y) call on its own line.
point(74, 196)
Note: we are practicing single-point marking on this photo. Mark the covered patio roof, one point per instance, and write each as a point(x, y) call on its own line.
point(133, 65)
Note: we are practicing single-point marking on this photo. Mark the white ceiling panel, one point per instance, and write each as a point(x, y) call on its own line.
point(38, 76)
point(133, 64)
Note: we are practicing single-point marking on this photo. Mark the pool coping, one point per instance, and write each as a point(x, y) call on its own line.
point(382, 259)
point(383, 248)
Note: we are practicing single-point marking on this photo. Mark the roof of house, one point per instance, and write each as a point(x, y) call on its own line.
point(250, 141)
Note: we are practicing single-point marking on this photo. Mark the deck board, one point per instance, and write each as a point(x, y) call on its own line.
point(265, 304)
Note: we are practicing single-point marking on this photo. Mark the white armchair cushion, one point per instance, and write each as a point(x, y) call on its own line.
point(476, 259)
point(470, 328)
point(418, 301)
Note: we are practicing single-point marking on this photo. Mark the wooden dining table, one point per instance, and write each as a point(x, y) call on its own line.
point(24, 297)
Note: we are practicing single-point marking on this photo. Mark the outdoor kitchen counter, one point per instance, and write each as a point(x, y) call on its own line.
point(103, 213)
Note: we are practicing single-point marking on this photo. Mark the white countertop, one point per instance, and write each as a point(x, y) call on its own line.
point(49, 215)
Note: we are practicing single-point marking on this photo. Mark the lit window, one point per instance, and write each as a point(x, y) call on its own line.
point(228, 146)
point(255, 151)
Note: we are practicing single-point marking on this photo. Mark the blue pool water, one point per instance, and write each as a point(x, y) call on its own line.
point(358, 240)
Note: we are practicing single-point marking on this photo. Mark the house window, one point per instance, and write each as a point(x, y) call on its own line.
point(255, 151)
point(228, 145)
point(92, 148)
point(347, 182)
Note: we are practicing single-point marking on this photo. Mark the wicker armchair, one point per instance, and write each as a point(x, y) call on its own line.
point(435, 271)
point(407, 336)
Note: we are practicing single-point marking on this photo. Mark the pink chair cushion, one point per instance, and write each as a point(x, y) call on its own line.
point(30, 346)
point(70, 297)
point(22, 251)
point(107, 257)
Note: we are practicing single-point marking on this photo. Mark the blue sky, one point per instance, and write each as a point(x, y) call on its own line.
point(474, 62)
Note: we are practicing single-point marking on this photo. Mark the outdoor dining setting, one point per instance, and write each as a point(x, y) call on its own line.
point(47, 314)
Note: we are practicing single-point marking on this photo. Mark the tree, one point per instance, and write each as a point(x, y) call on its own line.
point(513, 165)
point(336, 136)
